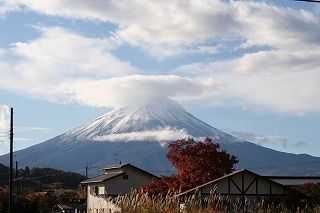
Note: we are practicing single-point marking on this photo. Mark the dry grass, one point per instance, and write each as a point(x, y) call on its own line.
point(144, 203)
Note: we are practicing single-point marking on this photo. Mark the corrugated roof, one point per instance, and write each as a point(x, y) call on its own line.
point(295, 181)
point(114, 166)
point(63, 207)
point(117, 166)
point(102, 178)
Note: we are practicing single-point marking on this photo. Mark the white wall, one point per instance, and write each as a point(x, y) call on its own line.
point(97, 203)
point(113, 187)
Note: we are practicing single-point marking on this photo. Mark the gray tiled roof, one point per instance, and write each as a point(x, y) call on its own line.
point(62, 207)
point(117, 166)
point(295, 181)
point(102, 178)
point(114, 166)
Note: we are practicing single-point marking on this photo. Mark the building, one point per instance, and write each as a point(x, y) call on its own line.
point(242, 184)
point(74, 205)
point(294, 181)
point(62, 208)
point(119, 179)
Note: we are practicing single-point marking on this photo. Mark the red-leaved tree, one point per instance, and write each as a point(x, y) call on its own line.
point(196, 162)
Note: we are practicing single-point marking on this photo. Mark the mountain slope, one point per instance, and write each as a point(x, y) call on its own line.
point(138, 135)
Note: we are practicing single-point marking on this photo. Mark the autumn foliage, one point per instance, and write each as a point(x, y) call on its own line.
point(196, 162)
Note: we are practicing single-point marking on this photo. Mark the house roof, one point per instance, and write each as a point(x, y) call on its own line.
point(111, 175)
point(62, 207)
point(210, 182)
point(102, 178)
point(294, 181)
point(114, 166)
point(117, 166)
point(226, 176)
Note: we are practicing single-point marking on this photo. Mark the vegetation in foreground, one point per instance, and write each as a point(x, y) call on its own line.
point(146, 203)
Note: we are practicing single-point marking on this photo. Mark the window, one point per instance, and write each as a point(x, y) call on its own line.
point(101, 190)
point(94, 190)
point(125, 177)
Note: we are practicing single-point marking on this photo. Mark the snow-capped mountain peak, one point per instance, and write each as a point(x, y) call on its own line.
point(159, 119)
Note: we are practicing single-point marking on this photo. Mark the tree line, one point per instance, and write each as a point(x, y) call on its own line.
point(39, 189)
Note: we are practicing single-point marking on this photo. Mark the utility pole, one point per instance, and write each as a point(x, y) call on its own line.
point(87, 170)
point(89, 167)
point(10, 209)
point(17, 179)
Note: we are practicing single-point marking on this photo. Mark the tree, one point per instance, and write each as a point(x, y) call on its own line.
point(4, 196)
point(196, 162)
point(81, 191)
point(44, 202)
point(27, 170)
point(312, 192)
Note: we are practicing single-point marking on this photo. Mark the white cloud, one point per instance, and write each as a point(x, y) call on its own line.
point(269, 25)
point(260, 139)
point(128, 90)
point(165, 28)
point(278, 66)
point(59, 56)
point(61, 66)
point(72, 54)
point(31, 129)
point(161, 135)
point(269, 81)
point(269, 140)
point(4, 121)
point(6, 7)
point(4, 128)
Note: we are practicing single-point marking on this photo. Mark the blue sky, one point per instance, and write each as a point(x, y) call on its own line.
point(250, 68)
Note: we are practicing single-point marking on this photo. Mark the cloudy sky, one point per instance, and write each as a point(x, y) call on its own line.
point(250, 68)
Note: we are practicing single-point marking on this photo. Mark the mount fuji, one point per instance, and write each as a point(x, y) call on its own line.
point(160, 119)
point(139, 135)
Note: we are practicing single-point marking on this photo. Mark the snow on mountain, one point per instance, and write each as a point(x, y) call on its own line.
point(141, 133)
point(160, 119)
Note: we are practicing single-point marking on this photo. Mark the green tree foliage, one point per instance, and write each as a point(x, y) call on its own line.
point(196, 162)
point(47, 177)
point(42, 178)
